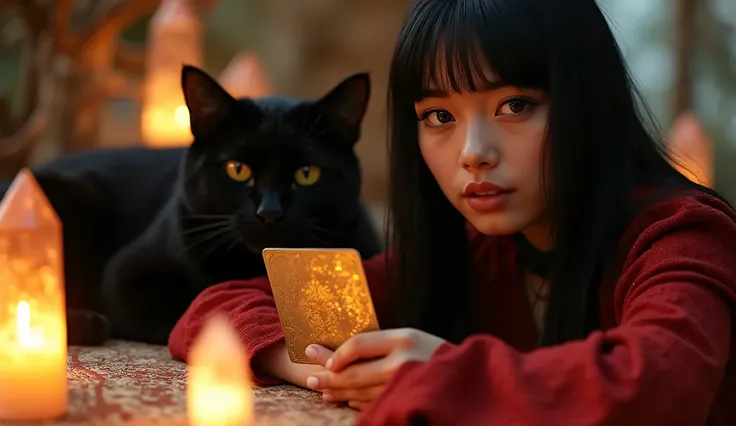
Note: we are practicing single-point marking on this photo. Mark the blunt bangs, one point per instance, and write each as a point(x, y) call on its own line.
point(468, 46)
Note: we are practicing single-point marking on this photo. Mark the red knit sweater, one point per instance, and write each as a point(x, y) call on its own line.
point(663, 356)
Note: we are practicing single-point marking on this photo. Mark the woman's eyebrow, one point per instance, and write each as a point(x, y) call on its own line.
point(486, 87)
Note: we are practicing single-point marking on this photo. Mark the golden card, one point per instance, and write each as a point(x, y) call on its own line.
point(321, 295)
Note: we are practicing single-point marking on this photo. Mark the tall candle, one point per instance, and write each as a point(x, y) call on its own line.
point(174, 38)
point(219, 390)
point(33, 347)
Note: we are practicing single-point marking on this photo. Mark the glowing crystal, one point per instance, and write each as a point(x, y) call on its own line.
point(33, 381)
point(219, 390)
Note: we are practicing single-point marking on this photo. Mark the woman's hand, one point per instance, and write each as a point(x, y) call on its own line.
point(359, 370)
point(274, 361)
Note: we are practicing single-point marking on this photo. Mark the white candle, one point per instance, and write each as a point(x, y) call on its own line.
point(33, 347)
point(219, 390)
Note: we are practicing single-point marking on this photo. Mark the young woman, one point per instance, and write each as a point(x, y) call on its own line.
point(548, 265)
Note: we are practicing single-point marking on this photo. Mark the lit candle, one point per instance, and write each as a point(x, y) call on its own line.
point(175, 37)
point(219, 390)
point(33, 381)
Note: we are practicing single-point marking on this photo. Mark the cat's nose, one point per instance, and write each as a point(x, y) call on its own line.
point(270, 210)
point(270, 216)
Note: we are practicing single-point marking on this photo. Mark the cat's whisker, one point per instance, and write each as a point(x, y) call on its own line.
point(202, 241)
point(232, 245)
point(208, 236)
point(323, 132)
point(207, 216)
point(206, 227)
point(320, 241)
point(329, 232)
point(217, 243)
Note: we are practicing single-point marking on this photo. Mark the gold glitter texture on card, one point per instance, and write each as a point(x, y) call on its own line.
point(321, 295)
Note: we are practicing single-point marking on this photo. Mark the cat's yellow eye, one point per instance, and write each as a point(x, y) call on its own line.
point(237, 171)
point(308, 175)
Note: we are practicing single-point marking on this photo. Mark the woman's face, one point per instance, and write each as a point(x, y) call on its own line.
point(484, 150)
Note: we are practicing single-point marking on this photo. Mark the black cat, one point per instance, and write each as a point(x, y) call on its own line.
point(146, 230)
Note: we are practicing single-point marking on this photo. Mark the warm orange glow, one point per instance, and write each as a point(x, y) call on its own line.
point(23, 326)
point(181, 116)
point(174, 39)
point(245, 77)
point(219, 390)
point(33, 381)
point(692, 148)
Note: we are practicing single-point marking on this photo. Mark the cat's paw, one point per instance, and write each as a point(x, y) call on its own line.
point(144, 293)
point(87, 328)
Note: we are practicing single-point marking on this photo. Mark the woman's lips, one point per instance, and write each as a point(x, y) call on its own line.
point(488, 201)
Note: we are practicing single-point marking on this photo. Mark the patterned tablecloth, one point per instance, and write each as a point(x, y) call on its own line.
point(125, 383)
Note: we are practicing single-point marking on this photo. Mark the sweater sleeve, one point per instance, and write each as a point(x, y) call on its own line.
point(251, 309)
point(661, 365)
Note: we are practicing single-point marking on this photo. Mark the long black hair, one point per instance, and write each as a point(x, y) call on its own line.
point(601, 142)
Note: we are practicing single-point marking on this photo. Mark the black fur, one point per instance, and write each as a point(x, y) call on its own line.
point(146, 230)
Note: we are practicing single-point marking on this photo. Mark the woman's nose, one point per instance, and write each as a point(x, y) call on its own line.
point(479, 152)
point(479, 155)
point(475, 163)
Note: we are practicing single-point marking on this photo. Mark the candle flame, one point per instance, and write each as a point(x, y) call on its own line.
point(23, 325)
point(181, 116)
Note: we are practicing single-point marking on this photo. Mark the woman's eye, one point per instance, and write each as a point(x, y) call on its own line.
point(437, 118)
point(514, 107)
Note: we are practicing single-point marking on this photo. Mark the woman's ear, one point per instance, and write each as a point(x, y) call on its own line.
point(207, 101)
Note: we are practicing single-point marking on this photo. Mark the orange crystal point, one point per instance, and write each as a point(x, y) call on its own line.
point(33, 343)
point(219, 388)
point(218, 333)
point(25, 206)
point(245, 77)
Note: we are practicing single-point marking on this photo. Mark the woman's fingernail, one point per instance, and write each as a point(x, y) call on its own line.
point(312, 382)
point(311, 351)
point(327, 396)
point(328, 364)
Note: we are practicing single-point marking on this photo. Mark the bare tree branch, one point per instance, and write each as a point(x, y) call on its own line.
point(5, 5)
point(684, 50)
point(6, 117)
point(33, 16)
point(119, 18)
point(25, 139)
point(29, 75)
point(117, 85)
point(61, 20)
point(204, 6)
point(130, 58)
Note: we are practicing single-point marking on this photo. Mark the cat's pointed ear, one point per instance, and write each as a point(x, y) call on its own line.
point(207, 101)
point(348, 101)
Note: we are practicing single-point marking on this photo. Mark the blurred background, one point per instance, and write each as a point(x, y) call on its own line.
point(78, 74)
